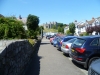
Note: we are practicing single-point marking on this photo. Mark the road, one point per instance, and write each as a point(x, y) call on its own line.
point(49, 61)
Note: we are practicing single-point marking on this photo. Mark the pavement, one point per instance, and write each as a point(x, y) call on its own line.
point(49, 61)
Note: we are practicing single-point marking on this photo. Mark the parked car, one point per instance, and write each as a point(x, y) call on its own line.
point(85, 49)
point(51, 39)
point(47, 36)
point(66, 46)
point(59, 42)
point(55, 41)
point(64, 39)
point(94, 68)
point(51, 36)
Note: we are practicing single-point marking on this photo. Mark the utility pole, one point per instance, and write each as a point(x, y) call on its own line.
point(41, 33)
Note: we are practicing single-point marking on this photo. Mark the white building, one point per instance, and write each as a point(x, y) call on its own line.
point(24, 20)
point(66, 28)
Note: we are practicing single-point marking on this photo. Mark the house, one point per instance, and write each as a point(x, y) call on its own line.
point(24, 20)
point(66, 28)
point(49, 25)
point(79, 27)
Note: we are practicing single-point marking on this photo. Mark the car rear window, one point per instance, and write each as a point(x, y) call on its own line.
point(79, 42)
point(71, 40)
point(66, 39)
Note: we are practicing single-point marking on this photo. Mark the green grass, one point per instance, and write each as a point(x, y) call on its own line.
point(50, 30)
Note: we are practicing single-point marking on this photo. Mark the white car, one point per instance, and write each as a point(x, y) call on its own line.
point(94, 68)
point(66, 45)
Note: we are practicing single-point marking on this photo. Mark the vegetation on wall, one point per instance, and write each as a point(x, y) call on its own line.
point(11, 28)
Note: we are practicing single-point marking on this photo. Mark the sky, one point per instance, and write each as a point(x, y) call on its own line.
point(62, 11)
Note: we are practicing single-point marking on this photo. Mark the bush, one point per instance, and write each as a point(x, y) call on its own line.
point(81, 34)
point(31, 41)
point(85, 34)
point(68, 32)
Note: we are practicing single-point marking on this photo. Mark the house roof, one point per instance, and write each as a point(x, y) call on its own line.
point(81, 25)
point(91, 21)
point(98, 19)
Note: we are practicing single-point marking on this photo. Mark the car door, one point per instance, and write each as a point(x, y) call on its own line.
point(99, 47)
point(94, 46)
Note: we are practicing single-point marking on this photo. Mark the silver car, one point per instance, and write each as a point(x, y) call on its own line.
point(66, 45)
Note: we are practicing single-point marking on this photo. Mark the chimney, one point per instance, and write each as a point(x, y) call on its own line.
point(86, 20)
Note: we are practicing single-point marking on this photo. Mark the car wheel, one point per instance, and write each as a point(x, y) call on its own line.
point(92, 60)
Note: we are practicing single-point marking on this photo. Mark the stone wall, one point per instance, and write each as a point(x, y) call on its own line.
point(15, 57)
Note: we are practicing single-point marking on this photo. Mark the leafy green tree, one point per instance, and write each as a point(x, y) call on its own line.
point(11, 28)
point(72, 28)
point(59, 29)
point(68, 32)
point(1, 15)
point(39, 29)
point(54, 26)
point(32, 22)
point(60, 24)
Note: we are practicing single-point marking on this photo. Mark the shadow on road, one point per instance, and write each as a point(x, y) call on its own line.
point(78, 65)
point(44, 43)
point(67, 55)
point(34, 67)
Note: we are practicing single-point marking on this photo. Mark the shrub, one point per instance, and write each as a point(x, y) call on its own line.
point(68, 32)
point(81, 34)
point(31, 41)
point(85, 34)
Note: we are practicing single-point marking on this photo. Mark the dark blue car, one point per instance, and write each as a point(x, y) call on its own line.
point(85, 50)
point(59, 42)
point(63, 39)
point(55, 41)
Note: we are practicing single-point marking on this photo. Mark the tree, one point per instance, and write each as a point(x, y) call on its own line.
point(11, 28)
point(54, 26)
point(1, 15)
point(72, 28)
point(60, 24)
point(59, 29)
point(68, 32)
point(89, 30)
point(32, 22)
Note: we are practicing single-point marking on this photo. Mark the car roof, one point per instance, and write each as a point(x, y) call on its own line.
point(70, 36)
point(91, 36)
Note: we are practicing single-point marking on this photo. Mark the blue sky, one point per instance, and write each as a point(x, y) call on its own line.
point(64, 11)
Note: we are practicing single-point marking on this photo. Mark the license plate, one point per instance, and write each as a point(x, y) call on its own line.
point(63, 46)
point(72, 50)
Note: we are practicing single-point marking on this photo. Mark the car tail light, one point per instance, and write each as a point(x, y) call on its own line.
point(67, 47)
point(80, 50)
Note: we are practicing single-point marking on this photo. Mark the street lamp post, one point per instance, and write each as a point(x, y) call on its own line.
point(41, 33)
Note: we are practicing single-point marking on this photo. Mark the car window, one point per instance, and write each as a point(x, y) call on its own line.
point(79, 42)
point(71, 40)
point(95, 42)
point(66, 39)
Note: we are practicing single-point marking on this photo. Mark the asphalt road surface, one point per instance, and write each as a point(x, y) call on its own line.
point(49, 61)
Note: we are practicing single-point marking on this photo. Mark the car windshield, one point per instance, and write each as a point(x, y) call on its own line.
point(71, 40)
point(66, 39)
point(79, 42)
